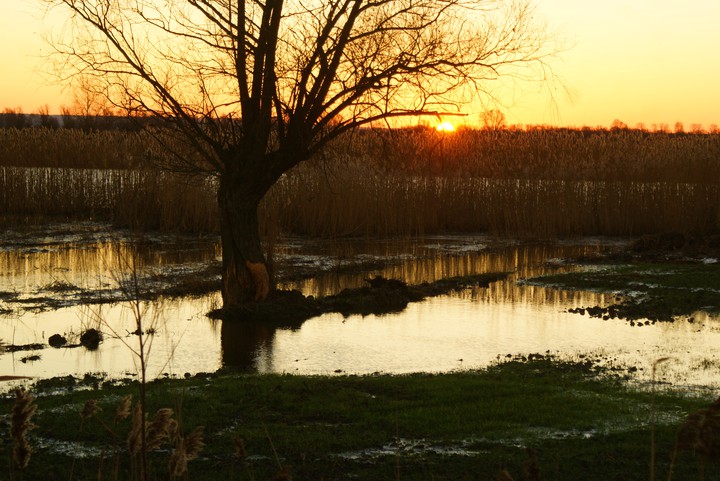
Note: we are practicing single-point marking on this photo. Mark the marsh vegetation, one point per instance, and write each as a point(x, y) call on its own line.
point(412, 185)
point(263, 111)
point(531, 183)
point(536, 417)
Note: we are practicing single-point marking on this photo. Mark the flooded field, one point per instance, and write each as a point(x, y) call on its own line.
point(69, 278)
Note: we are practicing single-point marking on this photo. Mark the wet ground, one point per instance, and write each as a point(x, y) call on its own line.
point(68, 280)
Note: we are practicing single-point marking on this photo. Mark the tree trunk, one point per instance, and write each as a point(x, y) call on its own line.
point(245, 276)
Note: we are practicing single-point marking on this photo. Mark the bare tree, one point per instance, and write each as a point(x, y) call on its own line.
point(696, 128)
point(14, 118)
point(46, 120)
point(618, 124)
point(255, 87)
point(493, 119)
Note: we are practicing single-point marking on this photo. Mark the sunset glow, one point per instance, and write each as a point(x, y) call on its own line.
point(445, 127)
point(640, 62)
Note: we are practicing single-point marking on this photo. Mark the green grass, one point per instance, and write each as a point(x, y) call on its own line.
point(582, 424)
point(656, 291)
point(644, 277)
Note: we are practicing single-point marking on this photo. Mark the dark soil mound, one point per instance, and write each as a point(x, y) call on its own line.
point(381, 296)
point(56, 341)
point(91, 339)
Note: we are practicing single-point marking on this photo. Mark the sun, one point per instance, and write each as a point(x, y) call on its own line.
point(445, 127)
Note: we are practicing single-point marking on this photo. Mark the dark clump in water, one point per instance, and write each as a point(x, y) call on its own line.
point(57, 341)
point(90, 339)
point(379, 282)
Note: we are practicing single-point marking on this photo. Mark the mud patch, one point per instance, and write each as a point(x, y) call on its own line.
point(380, 296)
point(411, 447)
point(22, 347)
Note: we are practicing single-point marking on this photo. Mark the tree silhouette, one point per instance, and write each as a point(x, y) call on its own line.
point(14, 118)
point(493, 119)
point(254, 87)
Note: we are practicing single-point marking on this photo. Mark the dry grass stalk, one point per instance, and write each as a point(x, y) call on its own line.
point(177, 464)
point(101, 464)
point(162, 429)
point(158, 431)
point(239, 446)
point(504, 475)
point(700, 434)
point(23, 411)
point(89, 410)
point(531, 470)
point(194, 442)
point(283, 475)
point(134, 438)
point(124, 409)
point(653, 414)
point(186, 449)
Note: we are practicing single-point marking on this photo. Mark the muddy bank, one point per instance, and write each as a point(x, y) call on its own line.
point(660, 278)
point(379, 296)
point(662, 247)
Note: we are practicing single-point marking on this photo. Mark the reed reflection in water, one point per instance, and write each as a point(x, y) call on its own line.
point(465, 330)
point(183, 340)
point(459, 332)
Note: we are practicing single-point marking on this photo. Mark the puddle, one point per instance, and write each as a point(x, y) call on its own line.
point(46, 276)
point(532, 436)
point(409, 448)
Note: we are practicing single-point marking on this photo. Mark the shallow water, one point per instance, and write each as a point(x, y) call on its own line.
point(467, 330)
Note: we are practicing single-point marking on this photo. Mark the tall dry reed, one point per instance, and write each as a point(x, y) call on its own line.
point(71, 148)
point(355, 201)
point(544, 154)
point(539, 183)
point(21, 422)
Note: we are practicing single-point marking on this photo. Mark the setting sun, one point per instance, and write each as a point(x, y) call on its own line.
point(445, 127)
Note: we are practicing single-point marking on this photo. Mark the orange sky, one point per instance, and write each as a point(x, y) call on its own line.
point(650, 61)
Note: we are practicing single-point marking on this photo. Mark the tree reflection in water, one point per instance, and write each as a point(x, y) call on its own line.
point(475, 325)
point(241, 343)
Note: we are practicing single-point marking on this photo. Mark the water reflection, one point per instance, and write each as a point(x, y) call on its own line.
point(241, 343)
point(429, 263)
point(468, 329)
point(522, 261)
point(93, 263)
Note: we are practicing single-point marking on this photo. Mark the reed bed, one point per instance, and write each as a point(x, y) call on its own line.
point(535, 183)
point(543, 154)
point(138, 199)
point(388, 205)
point(73, 148)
